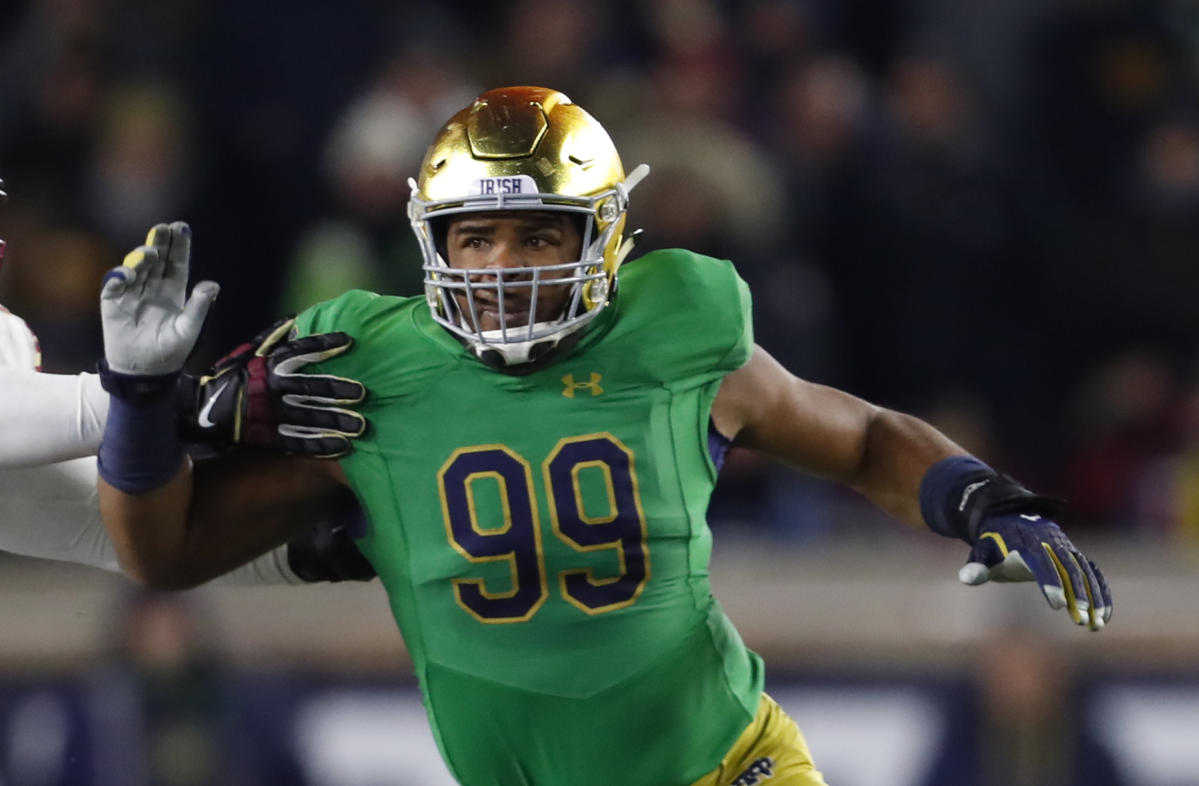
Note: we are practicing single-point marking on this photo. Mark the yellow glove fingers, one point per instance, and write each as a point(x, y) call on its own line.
point(1079, 609)
point(1096, 620)
point(159, 239)
point(135, 258)
point(132, 272)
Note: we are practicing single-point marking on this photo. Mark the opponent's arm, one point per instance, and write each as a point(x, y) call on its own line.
point(910, 469)
point(49, 417)
point(48, 504)
point(259, 395)
point(254, 396)
point(52, 512)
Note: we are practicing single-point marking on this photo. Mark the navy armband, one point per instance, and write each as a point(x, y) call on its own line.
point(958, 492)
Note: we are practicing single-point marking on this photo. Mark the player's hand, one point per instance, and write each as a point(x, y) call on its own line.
point(1028, 547)
point(258, 395)
point(150, 326)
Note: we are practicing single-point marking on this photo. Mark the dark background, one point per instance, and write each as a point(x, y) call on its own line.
point(981, 212)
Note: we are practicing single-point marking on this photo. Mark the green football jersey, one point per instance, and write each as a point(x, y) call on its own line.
point(542, 538)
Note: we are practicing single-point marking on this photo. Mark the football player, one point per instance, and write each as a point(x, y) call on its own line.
point(547, 426)
point(52, 423)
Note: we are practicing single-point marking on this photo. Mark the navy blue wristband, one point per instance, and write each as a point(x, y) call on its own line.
point(944, 497)
point(140, 450)
point(137, 389)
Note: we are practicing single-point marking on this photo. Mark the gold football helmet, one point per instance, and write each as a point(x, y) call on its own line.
point(522, 148)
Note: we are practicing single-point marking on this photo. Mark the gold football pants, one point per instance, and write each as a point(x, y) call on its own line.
point(771, 752)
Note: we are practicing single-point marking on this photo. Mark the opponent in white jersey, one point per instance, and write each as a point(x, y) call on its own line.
point(51, 425)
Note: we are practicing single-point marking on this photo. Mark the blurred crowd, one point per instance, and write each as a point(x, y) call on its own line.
point(982, 213)
point(166, 706)
point(161, 707)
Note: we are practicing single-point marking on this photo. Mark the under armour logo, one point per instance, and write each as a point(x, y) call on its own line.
point(572, 386)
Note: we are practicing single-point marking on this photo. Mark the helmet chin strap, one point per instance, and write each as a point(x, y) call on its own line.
point(525, 357)
point(626, 247)
point(514, 352)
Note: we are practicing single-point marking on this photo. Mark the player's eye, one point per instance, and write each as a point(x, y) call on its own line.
point(540, 241)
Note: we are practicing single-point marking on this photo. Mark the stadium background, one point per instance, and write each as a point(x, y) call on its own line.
point(982, 213)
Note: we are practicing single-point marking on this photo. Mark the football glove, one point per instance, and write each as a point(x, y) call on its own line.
point(150, 326)
point(329, 551)
point(258, 395)
point(1029, 547)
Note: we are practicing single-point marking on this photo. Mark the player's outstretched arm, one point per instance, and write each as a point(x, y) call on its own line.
point(173, 527)
point(827, 432)
point(911, 470)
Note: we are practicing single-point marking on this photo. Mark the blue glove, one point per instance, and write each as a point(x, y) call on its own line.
point(1028, 547)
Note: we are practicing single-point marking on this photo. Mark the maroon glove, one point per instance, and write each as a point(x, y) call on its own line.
point(257, 395)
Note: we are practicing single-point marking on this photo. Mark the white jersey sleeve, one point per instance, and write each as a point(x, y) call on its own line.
point(18, 345)
point(49, 417)
point(50, 430)
point(43, 417)
point(52, 512)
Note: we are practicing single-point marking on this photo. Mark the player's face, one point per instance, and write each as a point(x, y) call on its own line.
point(504, 241)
